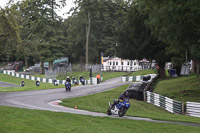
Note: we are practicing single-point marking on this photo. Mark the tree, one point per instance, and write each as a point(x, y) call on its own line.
point(42, 30)
point(97, 23)
point(175, 23)
point(9, 33)
point(138, 42)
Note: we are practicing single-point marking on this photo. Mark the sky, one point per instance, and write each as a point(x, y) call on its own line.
point(62, 12)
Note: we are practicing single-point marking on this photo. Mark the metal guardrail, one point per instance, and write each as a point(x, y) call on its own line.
point(193, 109)
point(131, 79)
point(136, 78)
point(166, 103)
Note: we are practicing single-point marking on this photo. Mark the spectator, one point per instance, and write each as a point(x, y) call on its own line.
point(98, 78)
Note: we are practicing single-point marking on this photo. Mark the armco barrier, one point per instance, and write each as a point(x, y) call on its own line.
point(165, 103)
point(131, 79)
point(136, 78)
point(193, 109)
point(45, 80)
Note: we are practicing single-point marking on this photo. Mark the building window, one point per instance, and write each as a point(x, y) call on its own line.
point(127, 63)
point(110, 63)
point(116, 63)
point(122, 63)
point(113, 63)
point(134, 63)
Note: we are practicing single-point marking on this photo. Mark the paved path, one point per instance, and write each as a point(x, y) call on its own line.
point(48, 100)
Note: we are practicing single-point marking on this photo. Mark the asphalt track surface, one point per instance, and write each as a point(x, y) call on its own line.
point(49, 99)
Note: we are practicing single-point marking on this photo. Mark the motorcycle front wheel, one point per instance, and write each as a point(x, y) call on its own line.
point(67, 88)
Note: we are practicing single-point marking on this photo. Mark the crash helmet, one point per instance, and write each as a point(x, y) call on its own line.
point(126, 93)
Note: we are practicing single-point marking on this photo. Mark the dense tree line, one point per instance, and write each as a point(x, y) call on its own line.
point(161, 30)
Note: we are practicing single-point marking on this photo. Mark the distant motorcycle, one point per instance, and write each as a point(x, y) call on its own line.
point(37, 83)
point(55, 82)
point(75, 82)
point(67, 86)
point(82, 81)
point(119, 109)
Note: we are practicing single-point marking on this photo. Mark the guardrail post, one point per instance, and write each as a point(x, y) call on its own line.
point(145, 98)
point(183, 109)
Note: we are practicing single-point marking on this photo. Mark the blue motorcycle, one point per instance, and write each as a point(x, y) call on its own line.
point(118, 109)
point(67, 86)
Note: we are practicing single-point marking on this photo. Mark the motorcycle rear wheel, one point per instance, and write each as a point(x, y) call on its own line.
point(122, 111)
point(109, 111)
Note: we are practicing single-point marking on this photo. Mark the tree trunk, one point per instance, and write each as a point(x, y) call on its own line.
point(41, 65)
point(50, 65)
point(197, 68)
point(87, 36)
point(162, 72)
point(26, 61)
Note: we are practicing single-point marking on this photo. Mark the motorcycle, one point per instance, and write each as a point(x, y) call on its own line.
point(119, 109)
point(55, 82)
point(67, 86)
point(82, 81)
point(37, 83)
point(75, 82)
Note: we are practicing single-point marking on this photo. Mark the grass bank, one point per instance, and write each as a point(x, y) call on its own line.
point(186, 88)
point(105, 75)
point(99, 103)
point(85, 74)
point(29, 84)
point(144, 72)
point(23, 120)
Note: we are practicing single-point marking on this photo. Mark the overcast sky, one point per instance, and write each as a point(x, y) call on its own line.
point(69, 4)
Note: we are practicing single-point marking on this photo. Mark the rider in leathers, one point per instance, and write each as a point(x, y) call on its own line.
point(122, 97)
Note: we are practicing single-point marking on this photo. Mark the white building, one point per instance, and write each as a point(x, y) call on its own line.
point(118, 64)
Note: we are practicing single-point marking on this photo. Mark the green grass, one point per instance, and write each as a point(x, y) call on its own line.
point(99, 103)
point(16, 120)
point(29, 84)
point(85, 74)
point(105, 75)
point(144, 72)
point(183, 89)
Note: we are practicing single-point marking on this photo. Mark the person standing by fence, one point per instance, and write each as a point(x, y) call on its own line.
point(98, 78)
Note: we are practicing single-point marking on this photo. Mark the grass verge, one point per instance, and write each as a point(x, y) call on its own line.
point(99, 103)
point(85, 74)
point(183, 89)
point(32, 121)
point(144, 72)
point(29, 84)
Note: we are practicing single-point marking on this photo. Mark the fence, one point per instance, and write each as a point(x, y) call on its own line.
point(123, 68)
point(193, 109)
point(62, 71)
point(45, 80)
point(131, 79)
point(165, 103)
point(136, 78)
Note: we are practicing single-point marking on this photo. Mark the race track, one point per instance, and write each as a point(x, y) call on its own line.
point(48, 100)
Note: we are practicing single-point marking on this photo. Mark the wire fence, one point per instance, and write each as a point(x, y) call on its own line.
point(62, 72)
